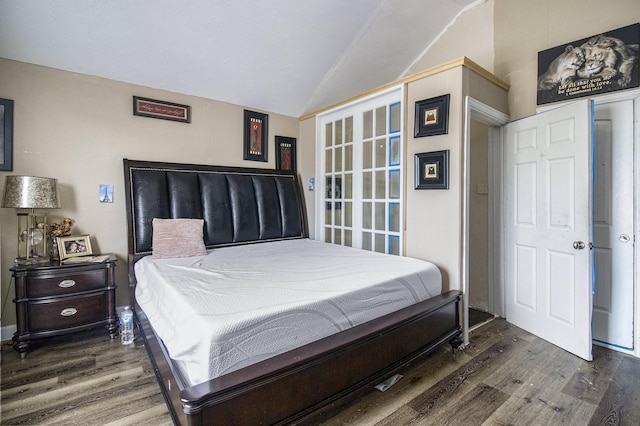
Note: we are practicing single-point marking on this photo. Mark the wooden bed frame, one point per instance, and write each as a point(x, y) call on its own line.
point(242, 206)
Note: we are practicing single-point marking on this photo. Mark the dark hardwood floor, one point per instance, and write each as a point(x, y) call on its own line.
point(85, 379)
point(505, 376)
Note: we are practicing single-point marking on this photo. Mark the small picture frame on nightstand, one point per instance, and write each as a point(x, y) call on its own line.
point(74, 246)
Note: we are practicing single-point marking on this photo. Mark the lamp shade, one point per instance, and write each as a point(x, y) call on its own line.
point(31, 192)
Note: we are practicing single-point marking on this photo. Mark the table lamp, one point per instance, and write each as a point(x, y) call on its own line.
point(31, 192)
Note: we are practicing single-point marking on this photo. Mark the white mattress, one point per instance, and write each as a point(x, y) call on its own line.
point(240, 305)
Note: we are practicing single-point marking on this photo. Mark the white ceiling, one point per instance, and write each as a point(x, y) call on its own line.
point(282, 56)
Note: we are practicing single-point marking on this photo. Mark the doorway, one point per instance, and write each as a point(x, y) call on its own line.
point(479, 224)
point(485, 122)
point(484, 286)
point(613, 227)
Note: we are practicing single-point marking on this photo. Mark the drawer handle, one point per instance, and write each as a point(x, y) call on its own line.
point(67, 312)
point(67, 283)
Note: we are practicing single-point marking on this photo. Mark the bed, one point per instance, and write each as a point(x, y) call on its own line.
point(258, 214)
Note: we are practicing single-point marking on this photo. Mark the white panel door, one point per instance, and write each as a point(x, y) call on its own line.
point(548, 268)
point(613, 224)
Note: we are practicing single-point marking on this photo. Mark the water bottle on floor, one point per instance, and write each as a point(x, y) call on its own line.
point(126, 326)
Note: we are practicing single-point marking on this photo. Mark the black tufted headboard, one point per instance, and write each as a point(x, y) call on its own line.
point(238, 205)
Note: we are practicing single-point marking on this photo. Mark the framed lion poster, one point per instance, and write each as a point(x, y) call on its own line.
point(603, 63)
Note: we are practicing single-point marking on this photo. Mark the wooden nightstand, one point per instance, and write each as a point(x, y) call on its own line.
point(54, 299)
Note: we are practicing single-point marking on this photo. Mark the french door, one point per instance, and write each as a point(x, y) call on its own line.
point(360, 174)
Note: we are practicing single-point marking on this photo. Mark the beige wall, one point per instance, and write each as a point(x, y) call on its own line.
point(479, 217)
point(470, 35)
point(525, 27)
point(505, 36)
point(433, 217)
point(484, 90)
point(307, 169)
point(78, 128)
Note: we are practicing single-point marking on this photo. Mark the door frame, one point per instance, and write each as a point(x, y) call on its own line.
point(636, 172)
point(485, 114)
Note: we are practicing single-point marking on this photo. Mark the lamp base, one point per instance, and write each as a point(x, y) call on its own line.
point(32, 238)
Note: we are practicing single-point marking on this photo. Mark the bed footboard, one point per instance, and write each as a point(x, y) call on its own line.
point(314, 380)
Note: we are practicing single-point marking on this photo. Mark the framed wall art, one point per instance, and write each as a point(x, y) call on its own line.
point(74, 245)
point(432, 117)
point(6, 135)
point(256, 131)
point(106, 193)
point(432, 170)
point(285, 153)
point(160, 109)
point(602, 63)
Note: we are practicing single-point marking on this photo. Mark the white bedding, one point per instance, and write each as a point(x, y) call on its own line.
point(239, 305)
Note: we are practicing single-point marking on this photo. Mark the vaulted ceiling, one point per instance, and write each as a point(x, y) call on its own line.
point(283, 56)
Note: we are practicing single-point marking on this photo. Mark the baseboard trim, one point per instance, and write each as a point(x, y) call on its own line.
point(6, 333)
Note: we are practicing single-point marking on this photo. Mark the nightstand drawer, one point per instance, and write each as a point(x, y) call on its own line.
point(61, 284)
point(67, 313)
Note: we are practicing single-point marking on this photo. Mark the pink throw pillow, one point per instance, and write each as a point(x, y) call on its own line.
point(178, 238)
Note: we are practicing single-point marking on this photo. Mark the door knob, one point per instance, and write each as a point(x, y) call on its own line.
point(578, 245)
point(624, 238)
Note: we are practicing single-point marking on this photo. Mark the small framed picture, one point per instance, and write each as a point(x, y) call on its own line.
point(432, 117)
point(106, 193)
point(432, 170)
point(6, 135)
point(256, 131)
point(74, 245)
point(285, 153)
point(160, 109)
